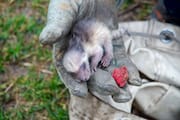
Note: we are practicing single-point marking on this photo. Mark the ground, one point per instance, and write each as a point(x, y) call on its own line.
point(30, 88)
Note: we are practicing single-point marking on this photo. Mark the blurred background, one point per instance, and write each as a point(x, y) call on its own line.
point(30, 88)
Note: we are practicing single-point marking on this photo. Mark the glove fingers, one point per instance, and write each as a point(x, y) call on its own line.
point(78, 89)
point(134, 77)
point(50, 34)
point(103, 83)
point(124, 95)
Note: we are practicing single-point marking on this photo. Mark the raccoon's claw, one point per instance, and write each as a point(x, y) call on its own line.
point(105, 62)
point(93, 69)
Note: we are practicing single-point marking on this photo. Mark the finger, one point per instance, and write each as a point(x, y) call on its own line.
point(103, 83)
point(124, 95)
point(50, 34)
point(134, 77)
point(59, 21)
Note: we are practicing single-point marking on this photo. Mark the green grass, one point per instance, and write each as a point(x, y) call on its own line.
point(28, 94)
point(35, 97)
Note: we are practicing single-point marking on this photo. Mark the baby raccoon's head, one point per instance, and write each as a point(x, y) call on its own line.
point(74, 60)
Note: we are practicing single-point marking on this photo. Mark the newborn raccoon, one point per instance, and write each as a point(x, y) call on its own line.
point(90, 45)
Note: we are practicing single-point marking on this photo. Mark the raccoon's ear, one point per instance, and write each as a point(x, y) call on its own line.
point(71, 43)
point(76, 44)
point(74, 35)
point(75, 40)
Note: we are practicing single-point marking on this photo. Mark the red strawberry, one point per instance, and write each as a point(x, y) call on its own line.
point(120, 75)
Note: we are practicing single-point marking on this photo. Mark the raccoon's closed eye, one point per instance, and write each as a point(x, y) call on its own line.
point(73, 35)
point(83, 66)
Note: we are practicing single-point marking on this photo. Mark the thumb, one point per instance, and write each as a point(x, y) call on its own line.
point(50, 34)
point(60, 18)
